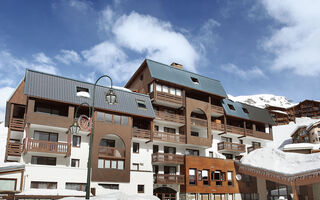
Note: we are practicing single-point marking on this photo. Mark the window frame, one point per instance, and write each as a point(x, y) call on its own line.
point(77, 162)
point(138, 147)
point(78, 145)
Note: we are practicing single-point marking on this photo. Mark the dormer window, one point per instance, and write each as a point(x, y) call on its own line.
point(245, 110)
point(195, 80)
point(231, 107)
point(83, 92)
point(141, 104)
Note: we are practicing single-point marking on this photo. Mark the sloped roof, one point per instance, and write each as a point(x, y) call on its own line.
point(181, 77)
point(63, 89)
point(254, 113)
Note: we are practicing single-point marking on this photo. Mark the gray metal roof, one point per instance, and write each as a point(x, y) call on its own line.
point(254, 113)
point(181, 77)
point(63, 89)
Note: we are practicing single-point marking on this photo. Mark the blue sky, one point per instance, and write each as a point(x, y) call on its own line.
point(252, 47)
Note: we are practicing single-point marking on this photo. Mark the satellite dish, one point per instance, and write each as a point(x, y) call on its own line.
point(238, 177)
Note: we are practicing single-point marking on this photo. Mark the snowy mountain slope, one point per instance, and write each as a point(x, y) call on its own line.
point(261, 100)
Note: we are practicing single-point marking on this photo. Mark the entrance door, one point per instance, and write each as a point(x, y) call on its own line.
point(165, 193)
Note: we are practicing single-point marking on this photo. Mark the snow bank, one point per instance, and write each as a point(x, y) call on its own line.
point(276, 160)
point(301, 146)
point(112, 195)
point(53, 192)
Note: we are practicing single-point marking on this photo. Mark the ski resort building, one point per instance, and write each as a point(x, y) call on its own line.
point(172, 134)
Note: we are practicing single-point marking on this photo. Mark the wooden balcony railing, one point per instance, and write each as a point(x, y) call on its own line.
point(252, 148)
point(229, 146)
point(14, 149)
point(217, 126)
point(169, 137)
point(47, 146)
point(161, 96)
point(17, 124)
point(141, 133)
point(168, 179)
point(167, 158)
point(235, 129)
point(259, 134)
point(162, 115)
point(217, 109)
point(111, 152)
point(198, 122)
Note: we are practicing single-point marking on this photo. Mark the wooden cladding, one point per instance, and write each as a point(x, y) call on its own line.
point(169, 137)
point(47, 146)
point(166, 116)
point(16, 124)
point(217, 109)
point(198, 122)
point(235, 129)
point(167, 158)
point(166, 97)
point(141, 133)
point(14, 149)
point(217, 126)
point(249, 149)
point(229, 146)
point(168, 179)
point(111, 152)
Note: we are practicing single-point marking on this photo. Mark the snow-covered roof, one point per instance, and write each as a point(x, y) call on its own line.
point(299, 146)
point(282, 162)
point(311, 125)
point(279, 111)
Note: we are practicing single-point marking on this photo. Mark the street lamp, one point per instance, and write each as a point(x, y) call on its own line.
point(111, 99)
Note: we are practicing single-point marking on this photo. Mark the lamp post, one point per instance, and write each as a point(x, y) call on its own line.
point(111, 99)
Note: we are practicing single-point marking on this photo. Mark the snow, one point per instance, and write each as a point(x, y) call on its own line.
point(262, 100)
point(279, 111)
point(301, 146)
point(53, 192)
point(121, 88)
point(83, 94)
point(282, 162)
point(112, 195)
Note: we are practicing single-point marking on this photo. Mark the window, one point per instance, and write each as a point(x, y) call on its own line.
point(178, 92)
point(156, 128)
point(192, 152)
point(151, 88)
point(107, 143)
point(155, 148)
point(135, 147)
point(83, 92)
point(45, 136)
point(218, 176)
point(39, 160)
point(155, 169)
point(52, 108)
point(199, 175)
point(75, 162)
point(141, 104)
point(135, 167)
point(205, 176)
point(226, 139)
point(171, 150)
point(164, 89)
point(256, 144)
point(110, 164)
point(169, 170)
point(141, 77)
point(76, 141)
point(228, 156)
point(211, 154)
point(192, 176)
point(116, 119)
point(229, 178)
point(124, 120)
point(113, 164)
point(158, 88)
point(194, 133)
point(140, 188)
point(43, 185)
point(195, 80)
point(169, 130)
point(7, 184)
point(110, 186)
point(231, 107)
point(76, 186)
point(172, 91)
point(245, 110)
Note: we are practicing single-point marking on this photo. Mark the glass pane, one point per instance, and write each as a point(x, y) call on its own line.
point(229, 175)
point(164, 89)
point(151, 88)
point(120, 164)
point(109, 118)
point(116, 119)
point(172, 91)
point(107, 163)
point(54, 137)
point(178, 92)
point(7, 185)
point(158, 87)
point(41, 136)
point(125, 120)
point(100, 163)
point(114, 164)
point(100, 116)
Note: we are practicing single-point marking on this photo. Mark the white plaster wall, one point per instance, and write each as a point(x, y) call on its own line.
point(14, 175)
point(143, 157)
point(81, 152)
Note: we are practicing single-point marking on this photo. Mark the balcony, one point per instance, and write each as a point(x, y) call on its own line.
point(217, 109)
point(259, 134)
point(249, 149)
point(16, 124)
point(166, 116)
point(217, 126)
point(14, 149)
point(169, 137)
point(141, 133)
point(167, 158)
point(111, 152)
point(235, 129)
point(47, 146)
point(168, 179)
point(229, 146)
point(198, 122)
point(166, 98)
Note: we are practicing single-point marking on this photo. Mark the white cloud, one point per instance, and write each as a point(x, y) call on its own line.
point(243, 73)
point(42, 58)
point(296, 45)
point(68, 56)
point(79, 5)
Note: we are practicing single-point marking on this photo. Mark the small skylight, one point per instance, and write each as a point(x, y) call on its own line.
point(195, 80)
point(141, 104)
point(245, 110)
point(83, 92)
point(231, 107)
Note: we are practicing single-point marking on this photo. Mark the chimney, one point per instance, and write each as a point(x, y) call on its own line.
point(176, 65)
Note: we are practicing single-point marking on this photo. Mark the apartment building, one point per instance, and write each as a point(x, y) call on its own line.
point(280, 115)
point(174, 135)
